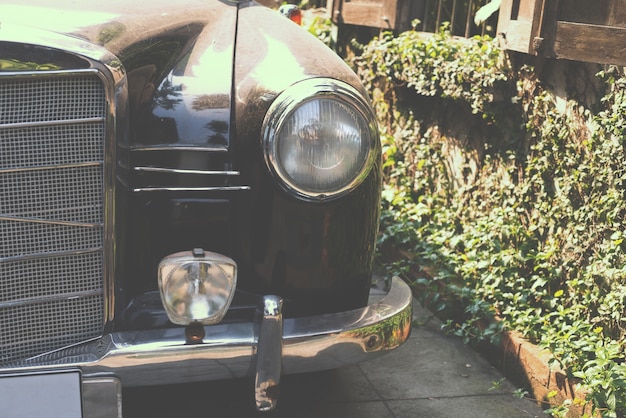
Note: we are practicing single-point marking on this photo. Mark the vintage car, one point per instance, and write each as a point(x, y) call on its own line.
point(189, 191)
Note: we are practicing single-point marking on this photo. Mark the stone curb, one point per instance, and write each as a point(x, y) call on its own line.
point(527, 365)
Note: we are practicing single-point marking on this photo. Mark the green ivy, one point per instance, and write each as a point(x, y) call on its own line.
point(323, 29)
point(534, 230)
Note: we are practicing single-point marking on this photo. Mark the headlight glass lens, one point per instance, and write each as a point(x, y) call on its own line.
point(320, 138)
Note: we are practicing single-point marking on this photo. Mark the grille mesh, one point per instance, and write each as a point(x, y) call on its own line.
point(50, 100)
point(63, 144)
point(69, 194)
point(52, 132)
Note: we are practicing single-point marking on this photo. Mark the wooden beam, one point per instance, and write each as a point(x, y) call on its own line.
point(365, 14)
point(590, 43)
point(548, 27)
point(517, 36)
point(378, 15)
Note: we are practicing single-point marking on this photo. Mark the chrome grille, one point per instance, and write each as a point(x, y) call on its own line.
point(52, 134)
point(55, 99)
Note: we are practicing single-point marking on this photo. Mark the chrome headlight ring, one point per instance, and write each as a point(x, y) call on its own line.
point(320, 139)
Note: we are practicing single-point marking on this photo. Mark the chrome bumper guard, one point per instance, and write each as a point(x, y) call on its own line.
point(267, 348)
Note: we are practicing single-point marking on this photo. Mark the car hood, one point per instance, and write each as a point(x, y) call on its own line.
point(116, 24)
point(178, 58)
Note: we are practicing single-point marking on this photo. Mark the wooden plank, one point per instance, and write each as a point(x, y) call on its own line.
point(504, 17)
point(517, 36)
point(520, 31)
point(527, 10)
point(363, 14)
point(389, 15)
point(375, 13)
point(537, 24)
point(590, 43)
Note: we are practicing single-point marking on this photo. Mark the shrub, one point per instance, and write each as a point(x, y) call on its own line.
point(527, 223)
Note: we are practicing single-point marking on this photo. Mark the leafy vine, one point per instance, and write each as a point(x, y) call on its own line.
point(528, 226)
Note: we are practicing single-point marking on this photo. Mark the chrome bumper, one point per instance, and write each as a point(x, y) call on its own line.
point(235, 350)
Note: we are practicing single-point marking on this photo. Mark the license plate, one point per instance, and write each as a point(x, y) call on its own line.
point(41, 395)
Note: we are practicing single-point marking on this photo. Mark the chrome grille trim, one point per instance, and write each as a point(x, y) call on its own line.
point(185, 171)
point(34, 168)
point(46, 299)
point(217, 180)
point(51, 255)
point(49, 123)
point(43, 221)
point(193, 148)
point(55, 213)
point(193, 189)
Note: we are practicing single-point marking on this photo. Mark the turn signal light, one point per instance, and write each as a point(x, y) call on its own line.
point(292, 12)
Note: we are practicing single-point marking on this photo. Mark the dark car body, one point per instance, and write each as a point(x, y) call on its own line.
point(134, 132)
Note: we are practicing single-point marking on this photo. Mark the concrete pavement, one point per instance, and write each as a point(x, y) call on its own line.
point(432, 375)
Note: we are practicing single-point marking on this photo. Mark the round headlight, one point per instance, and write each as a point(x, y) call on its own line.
point(320, 138)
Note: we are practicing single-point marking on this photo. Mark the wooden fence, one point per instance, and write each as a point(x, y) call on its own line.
point(400, 15)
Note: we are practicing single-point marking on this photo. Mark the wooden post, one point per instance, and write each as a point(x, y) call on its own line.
point(520, 26)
